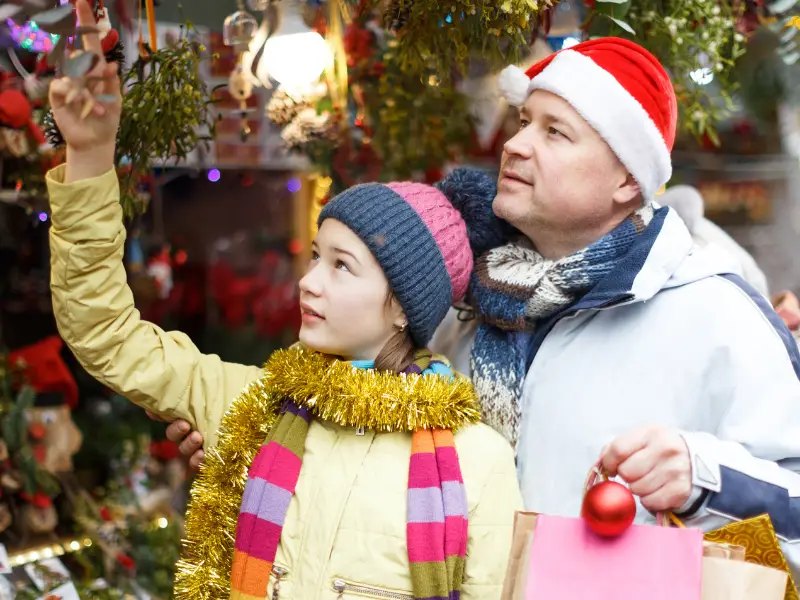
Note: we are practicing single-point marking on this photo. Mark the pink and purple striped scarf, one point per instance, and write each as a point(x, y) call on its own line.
point(436, 530)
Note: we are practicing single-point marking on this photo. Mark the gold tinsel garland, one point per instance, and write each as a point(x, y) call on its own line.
point(333, 390)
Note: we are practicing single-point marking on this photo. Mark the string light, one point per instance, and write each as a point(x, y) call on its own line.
point(60, 549)
point(163, 523)
point(31, 37)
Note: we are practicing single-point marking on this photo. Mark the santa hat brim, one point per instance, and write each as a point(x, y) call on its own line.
point(607, 106)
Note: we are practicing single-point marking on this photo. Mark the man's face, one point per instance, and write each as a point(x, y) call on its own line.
point(558, 177)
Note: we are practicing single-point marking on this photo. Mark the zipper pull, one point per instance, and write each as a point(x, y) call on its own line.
point(361, 430)
point(339, 586)
point(276, 588)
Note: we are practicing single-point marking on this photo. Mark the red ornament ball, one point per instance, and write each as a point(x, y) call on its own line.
point(608, 508)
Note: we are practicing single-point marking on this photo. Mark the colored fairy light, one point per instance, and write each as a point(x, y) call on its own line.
point(43, 217)
point(30, 37)
point(293, 185)
point(214, 175)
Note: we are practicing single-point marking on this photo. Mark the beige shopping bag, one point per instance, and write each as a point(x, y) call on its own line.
point(725, 579)
point(514, 584)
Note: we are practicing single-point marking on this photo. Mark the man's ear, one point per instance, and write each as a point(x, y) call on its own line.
point(628, 191)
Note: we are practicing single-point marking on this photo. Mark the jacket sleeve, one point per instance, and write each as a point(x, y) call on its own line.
point(751, 464)
point(491, 528)
point(163, 372)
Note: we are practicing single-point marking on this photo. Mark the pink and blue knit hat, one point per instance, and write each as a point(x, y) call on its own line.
point(424, 237)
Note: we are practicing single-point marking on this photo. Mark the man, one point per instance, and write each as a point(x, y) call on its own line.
point(604, 333)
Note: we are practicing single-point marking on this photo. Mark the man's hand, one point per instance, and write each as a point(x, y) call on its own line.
point(190, 443)
point(655, 463)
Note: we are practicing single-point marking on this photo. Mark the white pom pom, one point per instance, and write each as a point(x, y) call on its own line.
point(514, 85)
point(103, 22)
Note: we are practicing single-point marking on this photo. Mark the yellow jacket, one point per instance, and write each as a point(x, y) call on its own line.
point(341, 538)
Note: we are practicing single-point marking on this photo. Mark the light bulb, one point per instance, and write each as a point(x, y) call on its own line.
point(294, 56)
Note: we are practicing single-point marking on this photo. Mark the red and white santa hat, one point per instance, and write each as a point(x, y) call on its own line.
point(621, 90)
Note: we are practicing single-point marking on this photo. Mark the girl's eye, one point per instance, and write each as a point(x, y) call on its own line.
point(342, 265)
point(314, 255)
point(523, 124)
point(553, 131)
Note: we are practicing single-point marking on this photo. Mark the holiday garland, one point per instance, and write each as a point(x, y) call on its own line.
point(332, 390)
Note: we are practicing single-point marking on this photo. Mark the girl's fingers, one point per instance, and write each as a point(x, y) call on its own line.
point(59, 88)
point(91, 41)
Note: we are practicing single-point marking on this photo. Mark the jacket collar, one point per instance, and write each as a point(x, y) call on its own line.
point(652, 261)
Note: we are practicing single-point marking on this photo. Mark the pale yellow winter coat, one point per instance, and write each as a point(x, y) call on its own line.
point(346, 523)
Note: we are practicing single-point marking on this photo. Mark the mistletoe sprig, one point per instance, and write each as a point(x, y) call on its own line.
point(423, 123)
point(435, 35)
point(166, 113)
point(696, 40)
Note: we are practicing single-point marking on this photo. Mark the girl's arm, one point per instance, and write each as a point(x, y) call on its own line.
point(161, 371)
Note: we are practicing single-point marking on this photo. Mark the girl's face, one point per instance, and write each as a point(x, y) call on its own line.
point(343, 297)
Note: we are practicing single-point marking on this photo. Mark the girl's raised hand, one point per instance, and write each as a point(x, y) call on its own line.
point(87, 108)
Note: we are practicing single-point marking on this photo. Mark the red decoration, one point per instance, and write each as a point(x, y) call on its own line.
point(164, 450)
point(126, 561)
point(37, 431)
point(16, 112)
point(608, 508)
point(39, 500)
point(46, 370)
point(105, 514)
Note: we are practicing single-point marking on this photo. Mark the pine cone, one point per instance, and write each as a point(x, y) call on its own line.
point(282, 108)
point(116, 54)
point(396, 14)
point(51, 130)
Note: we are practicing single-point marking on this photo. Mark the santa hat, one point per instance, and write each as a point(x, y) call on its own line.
point(621, 90)
point(16, 112)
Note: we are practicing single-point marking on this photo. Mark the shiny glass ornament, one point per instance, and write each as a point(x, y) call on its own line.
point(238, 30)
point(257, 5)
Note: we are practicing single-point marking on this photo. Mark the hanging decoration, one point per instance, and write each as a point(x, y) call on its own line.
point(423, 123)
point(435, 36)
point(783, 18)
point(166, 107)
point(294, 55)
point(698, 42)
point(238, 32)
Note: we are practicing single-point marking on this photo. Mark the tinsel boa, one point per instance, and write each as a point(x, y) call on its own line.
point(513, 288)
point(333, 390)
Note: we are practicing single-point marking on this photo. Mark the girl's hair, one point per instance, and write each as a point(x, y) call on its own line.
point(398, 352)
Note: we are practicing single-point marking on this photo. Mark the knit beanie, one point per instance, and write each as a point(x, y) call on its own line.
point(424, 237)
point(621, 90)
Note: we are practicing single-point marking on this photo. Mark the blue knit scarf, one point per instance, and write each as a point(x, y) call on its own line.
point(513, 288)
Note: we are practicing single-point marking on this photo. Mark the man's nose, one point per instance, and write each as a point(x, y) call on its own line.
point(520, 145)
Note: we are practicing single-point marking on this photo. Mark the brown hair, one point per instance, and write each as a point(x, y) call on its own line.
point(398, 352)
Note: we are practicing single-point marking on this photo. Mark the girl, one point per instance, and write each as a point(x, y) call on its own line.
point(352, 464)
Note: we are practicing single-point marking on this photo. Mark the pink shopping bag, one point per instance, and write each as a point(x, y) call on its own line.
point(568, 561)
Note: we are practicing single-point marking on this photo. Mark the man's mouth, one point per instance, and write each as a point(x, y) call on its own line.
point(513, 176)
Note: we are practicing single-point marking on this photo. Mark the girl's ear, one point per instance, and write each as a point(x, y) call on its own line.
point(396, 313)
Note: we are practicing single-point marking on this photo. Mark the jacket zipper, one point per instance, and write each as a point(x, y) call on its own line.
point(279, 573)
point(341, 586)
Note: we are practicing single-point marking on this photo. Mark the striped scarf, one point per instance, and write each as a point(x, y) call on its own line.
point(436, 531)
point(513, 288)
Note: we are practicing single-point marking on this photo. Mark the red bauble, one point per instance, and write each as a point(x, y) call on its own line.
point(608, 508)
